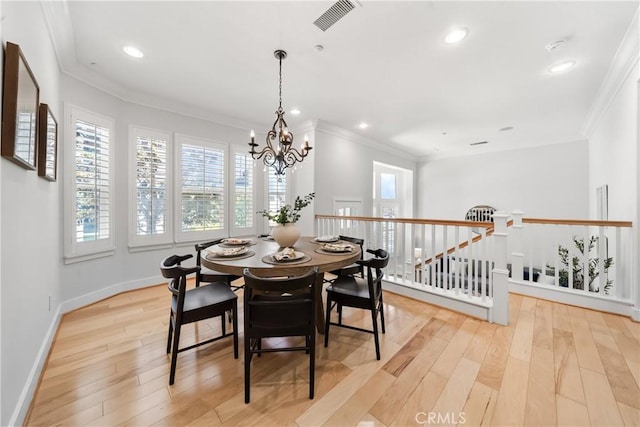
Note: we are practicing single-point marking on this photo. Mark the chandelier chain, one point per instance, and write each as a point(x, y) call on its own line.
point(280, 88)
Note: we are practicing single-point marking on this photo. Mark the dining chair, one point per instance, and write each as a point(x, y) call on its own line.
point(279, 307)
point(351, 269)
point(363, 293)
point(200, 303)
point(207, 275)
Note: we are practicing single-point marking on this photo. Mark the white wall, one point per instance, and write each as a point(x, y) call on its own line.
point(614, 154)
point(30, 228)
point(550, 181)
point(344, 168)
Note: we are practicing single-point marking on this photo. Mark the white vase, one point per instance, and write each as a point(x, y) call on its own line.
point(286, 235)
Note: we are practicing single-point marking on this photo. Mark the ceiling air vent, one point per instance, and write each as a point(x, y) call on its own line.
point(334, 14)
point(479, 143)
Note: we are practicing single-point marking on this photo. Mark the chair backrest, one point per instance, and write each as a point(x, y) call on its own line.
point(376, 264)
point(202, 246)
point(355, 241)
point(279, 307)
point(171, 269)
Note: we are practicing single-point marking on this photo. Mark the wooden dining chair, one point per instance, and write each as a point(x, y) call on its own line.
point(207, 275)
point(351, 269)
point(364, 293)
point(279, 307)
point(188, 306)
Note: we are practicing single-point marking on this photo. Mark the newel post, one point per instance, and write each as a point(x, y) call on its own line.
point(500, 309)
point(517, 255)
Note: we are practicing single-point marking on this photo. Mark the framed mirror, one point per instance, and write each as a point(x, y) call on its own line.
point(20, 101)
point(47, 143)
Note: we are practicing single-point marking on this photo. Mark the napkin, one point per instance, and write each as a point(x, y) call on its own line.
point(337, 247)
point(228, 251)
point(285, 254)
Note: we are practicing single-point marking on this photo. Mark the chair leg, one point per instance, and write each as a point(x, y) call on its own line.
point(312, 364)
point(382, 314)
point(174, 354)
point(235, 328)
point(223, 323)
point(170, 333)
point(374, 318)
point(327, 321)
point(339, 314)
point(247, 368)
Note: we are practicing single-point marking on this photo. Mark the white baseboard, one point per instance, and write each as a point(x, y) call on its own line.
point(20, 411)
point(22, 406)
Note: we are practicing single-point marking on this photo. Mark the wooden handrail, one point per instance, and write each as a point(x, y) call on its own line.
point(588, 222)
point(409, 220)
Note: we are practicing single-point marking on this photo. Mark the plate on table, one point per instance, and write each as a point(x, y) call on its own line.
point(326, 239)
point(337, 248)
point(236, 242)
point(283, 256)
point(227, 252)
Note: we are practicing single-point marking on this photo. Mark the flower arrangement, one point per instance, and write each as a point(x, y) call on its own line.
point(288, 214)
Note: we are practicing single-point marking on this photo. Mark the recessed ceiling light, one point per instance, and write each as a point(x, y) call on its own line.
point(562, 67)
point(363, 125)
point(456, 35)
point(133, 51)
point(295, 112)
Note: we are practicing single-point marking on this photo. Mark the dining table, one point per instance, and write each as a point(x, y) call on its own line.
point(260, 255)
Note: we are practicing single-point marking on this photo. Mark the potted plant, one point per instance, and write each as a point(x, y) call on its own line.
point(577, 268)
point(286, 233)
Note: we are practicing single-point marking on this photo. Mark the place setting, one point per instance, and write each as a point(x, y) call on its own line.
point(229, 253)
point(286, 256)
point(330, 238)
point(335, 248)
point(234, 242)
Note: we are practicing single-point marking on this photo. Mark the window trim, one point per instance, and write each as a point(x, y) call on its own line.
point(197, 236)
point(75, 251)
point(157, 240)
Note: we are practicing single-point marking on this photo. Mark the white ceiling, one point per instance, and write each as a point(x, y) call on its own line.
point(384, 63)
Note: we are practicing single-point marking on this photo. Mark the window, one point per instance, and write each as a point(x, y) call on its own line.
point(276, 192)
point(150, 211)
point(89, 198)
point(243, 200)
point(200, 189)
point(392, 198)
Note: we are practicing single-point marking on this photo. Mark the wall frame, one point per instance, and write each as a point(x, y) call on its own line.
point(20, 101)
point(47, 143)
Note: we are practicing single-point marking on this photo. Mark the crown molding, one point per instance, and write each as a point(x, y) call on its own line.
point(60, 28)
point(334, 130)
point(624, 61)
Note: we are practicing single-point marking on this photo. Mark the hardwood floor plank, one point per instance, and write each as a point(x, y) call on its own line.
point(601, 403)
point(568, 380)
point(479, 345)
point(511, 403)
point(420, 402)
point(493, 366)
point(478, 410)
point(362, 401)
point(571, 413)
point(586, 350)
point(540, 409)
point(454, 395)
point(543, 327)
point(630, 416)
point(450, 357)
point(387, 407)
point(408, 352)
point(523, 336)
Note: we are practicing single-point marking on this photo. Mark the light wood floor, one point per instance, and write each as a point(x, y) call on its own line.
point(553, 365)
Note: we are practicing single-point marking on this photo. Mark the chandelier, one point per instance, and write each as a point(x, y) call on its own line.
point(279, 151)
